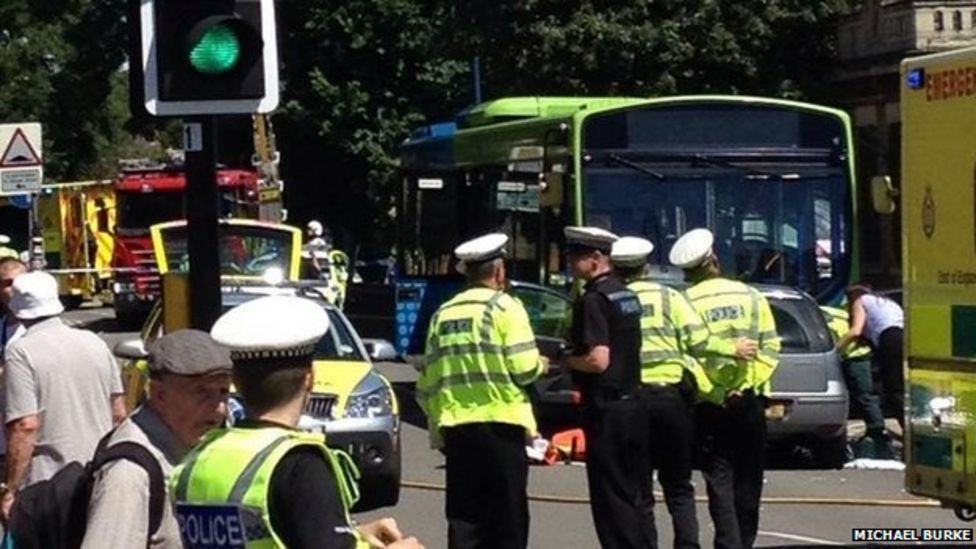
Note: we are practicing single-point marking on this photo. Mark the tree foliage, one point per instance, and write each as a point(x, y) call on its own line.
point(358, 75)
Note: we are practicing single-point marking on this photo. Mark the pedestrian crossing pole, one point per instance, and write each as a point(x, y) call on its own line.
point(202, 230)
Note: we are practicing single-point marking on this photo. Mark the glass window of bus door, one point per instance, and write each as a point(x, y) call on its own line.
point(437, 227)
point(519, 212)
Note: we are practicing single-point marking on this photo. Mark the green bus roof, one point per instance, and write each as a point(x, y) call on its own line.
point(515, 108)
point(510, 109)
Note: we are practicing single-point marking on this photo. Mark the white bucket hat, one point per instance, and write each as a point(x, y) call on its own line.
point(35, 295)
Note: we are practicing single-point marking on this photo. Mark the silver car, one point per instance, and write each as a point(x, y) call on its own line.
point(809, 403)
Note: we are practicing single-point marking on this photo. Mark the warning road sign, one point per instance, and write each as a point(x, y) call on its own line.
point(21, 158)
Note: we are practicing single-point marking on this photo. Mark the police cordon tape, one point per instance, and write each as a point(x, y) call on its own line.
point(772, 500)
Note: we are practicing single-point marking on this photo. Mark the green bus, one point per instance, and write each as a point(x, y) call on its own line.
point(773, 179)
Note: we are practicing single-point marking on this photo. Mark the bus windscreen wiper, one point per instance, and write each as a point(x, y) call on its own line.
point(749, 172)
point(617, 159)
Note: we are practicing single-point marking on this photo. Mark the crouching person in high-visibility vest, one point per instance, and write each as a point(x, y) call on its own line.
point(480, 357)
point(262, 483)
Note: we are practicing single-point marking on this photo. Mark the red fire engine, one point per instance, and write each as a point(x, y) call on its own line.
point(149, 196)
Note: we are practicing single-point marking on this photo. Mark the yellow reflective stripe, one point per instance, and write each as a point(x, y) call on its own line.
point(659, 355)
point(468, 378)
point(664, 332)
point(460, 349)
point(525, 378)
point(487, 319)
point(694, 298)
point(732, 332)
point(517, 348)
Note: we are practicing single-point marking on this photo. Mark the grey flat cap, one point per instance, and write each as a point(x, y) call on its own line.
point(188, 353)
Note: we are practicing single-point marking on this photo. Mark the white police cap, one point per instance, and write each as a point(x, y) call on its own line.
point(484, 248)
point(631, 251)
point(272, 327)
point(593, 238)
point(692, 249)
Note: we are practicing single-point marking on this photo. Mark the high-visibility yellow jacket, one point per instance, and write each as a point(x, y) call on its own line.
point(838, 320)
point(480, 356)
point(672, 336)
point(221, 487)
point(732, 310)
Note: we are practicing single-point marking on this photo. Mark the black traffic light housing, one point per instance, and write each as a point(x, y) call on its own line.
point(207, 56)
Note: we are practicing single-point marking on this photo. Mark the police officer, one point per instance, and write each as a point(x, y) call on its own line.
point(856, 363)
point(672, 336)
point(605, 358)
point(732, 427)
point(480, 357)
point(262, 483)
point(316, 250)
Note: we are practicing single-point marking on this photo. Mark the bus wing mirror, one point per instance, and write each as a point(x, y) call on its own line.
point(551, 191)
point(883, 194)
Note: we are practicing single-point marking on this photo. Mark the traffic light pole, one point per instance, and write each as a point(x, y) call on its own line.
point(200, 144)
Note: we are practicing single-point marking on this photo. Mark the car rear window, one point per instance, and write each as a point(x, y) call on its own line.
point(800, 325)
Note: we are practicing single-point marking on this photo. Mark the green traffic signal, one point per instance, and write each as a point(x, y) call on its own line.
point(217, 51)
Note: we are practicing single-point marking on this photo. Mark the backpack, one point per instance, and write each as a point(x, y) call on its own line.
point(53, 514)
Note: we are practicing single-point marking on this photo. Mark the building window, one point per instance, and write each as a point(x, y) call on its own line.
point(972, 19)
point(939, 25)
point(957, 20)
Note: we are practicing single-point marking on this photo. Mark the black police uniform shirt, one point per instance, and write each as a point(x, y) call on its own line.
point(614, 323)
point(303, 499)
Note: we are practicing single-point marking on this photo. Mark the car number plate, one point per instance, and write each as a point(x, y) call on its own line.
point(776, 410)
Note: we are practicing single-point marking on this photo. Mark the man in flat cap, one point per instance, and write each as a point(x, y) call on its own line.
point(480, 357)
point(189, 378)
point(263, 482)
point(732, 425)
point(674, 339)
point(606, 339)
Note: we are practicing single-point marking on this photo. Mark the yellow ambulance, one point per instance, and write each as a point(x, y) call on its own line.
point(938, 209)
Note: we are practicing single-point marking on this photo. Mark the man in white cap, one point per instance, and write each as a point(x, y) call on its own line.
point(732, 427)
point(262, 481)
point(189, 378)
point(480, 357)
point(606, 341)
point(62, 387)
point(673, 337)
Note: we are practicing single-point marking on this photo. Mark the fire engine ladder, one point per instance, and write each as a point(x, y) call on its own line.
point(266, 159)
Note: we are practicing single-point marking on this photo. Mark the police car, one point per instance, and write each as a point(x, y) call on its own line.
point(351, 402)
point(809, 403)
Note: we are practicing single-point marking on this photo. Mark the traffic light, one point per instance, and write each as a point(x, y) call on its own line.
point(208, 56)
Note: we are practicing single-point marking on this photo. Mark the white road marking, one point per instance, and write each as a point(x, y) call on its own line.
point(795, 537)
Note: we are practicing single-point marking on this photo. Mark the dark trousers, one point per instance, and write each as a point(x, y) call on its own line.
point(616, 466)
point(487, 473)
point(732, 440)
point(890, 358)
point(860, 384)
point(669, 443)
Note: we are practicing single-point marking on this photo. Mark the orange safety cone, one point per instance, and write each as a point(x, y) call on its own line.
point(571, 444)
